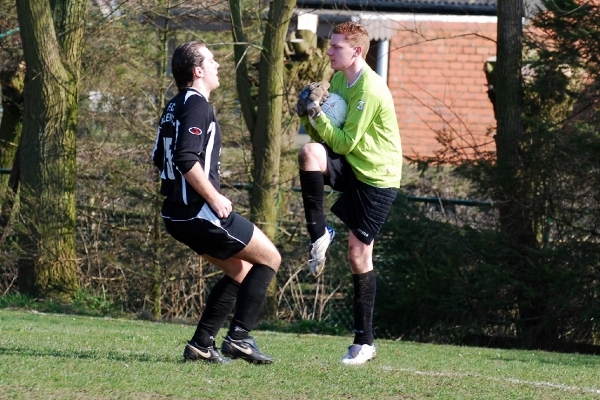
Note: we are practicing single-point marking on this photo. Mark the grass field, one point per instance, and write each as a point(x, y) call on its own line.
point(55, 356)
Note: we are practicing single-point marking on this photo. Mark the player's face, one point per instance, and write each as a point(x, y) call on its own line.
point(341, 54)
point(210, 69)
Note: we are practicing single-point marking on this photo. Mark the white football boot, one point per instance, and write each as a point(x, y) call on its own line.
point(317, 251)
point(359, 354)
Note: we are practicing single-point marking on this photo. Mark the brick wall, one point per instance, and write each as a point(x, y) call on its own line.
point(436, 76)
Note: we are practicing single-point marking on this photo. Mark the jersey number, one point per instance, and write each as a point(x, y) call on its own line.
point(168, 170)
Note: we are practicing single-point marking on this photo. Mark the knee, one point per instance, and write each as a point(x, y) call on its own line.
point(354, 255)
point(309, 153)
point(271, 257)
point(359, 258)
point(303, 157)
point(275, 261)
point(356, 250)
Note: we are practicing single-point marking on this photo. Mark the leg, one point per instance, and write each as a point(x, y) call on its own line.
point(261, 252)
point(252, 268)
point(361, 262)
point(313, 157)
point(360, 255)
point(221, 299)
point(252, 293)
point(219, 305)
point(364, 210)
point(312, 161)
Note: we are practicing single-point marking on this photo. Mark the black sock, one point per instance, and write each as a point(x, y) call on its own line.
point(251, 296)
point(219, 305)
point(364, 302)
point(313, 191)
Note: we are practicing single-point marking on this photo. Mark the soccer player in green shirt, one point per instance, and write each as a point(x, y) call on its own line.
point(362, 159)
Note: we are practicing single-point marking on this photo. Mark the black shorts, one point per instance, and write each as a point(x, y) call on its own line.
point(205, 233)
point(362, 208)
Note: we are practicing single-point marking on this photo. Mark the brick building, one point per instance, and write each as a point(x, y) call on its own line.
point(433, 56)
point(437, 79)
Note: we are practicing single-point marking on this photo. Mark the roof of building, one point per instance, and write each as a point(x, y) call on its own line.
point(460, 7)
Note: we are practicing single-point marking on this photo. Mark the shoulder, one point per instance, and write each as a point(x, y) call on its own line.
point(194, 102)
point(193, 96)
point(374, 85)
point(372, 80)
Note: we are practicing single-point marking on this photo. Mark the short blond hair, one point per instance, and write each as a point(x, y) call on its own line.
point(356, 35)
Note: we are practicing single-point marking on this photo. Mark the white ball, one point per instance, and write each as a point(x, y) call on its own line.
point(336, 108)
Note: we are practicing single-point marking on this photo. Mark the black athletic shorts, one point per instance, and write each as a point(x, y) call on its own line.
point(205, 233)
point(362, 208)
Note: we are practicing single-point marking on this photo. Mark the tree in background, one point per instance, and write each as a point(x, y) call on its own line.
point(12, 78)
point(268, 112)
point(126, 79)
point(263, 114)
point(532, 279)
point(562, 169)
point(509, 188)
point(545, 110)
point(121, 253)
point(52, 35)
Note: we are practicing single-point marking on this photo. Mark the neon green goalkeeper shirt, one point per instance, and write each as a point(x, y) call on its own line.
point(370, 137)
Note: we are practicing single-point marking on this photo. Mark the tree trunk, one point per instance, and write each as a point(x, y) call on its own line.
point(263, 118)
point(270, 118)
point(508, 90)
point(266, 140)
point(12, 81)
point(267, 137)
point(12, 102)
point(514, 194)
point(240, 49)
point(48, 266)
point(514, 214)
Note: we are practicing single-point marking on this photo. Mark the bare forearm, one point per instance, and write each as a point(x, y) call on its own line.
point(198, 180)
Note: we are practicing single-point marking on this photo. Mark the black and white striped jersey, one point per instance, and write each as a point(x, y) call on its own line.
point(188, 132)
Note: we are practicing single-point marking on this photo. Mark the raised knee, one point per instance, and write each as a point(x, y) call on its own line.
point(303, 156)
point(309, 154)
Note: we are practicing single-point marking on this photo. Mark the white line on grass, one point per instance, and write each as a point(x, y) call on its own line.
point(491, 378)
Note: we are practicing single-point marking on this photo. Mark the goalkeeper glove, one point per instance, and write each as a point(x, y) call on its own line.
point(301, 108)
point(311, 97)
point(301, 104)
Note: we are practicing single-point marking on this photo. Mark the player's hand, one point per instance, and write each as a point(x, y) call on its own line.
point(221, 205)
point(315, 92)
point(319, 92)
point(303, 98)
point(301, 107)
point(314, 110)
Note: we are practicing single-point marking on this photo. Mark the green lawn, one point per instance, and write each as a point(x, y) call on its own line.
point(51, 356)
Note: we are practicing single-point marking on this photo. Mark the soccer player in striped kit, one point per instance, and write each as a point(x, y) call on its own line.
point(187, 153)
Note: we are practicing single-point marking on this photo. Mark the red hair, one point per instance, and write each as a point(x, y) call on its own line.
point(356, 35)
